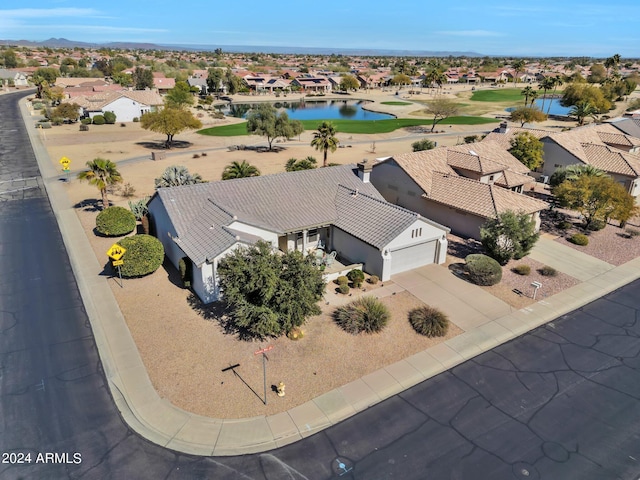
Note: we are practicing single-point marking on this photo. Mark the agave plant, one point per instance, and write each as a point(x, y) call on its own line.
point(177, 175)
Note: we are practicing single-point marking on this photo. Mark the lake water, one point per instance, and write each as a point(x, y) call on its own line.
point(313, 110)
point(555, 109)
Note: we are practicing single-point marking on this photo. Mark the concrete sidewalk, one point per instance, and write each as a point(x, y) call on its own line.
point(490, 323)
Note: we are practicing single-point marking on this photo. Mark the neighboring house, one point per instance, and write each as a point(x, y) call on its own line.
point(628, 125)
point(126, 104)
point(460, 187)
point(312, 84)
point(601, 145)
point(162, 83)
point(200, 83)
point(80, 82)
point(336, 207)
point(13, 78)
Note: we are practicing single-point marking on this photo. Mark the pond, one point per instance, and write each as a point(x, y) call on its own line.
point(313, 110)
point(555, 109)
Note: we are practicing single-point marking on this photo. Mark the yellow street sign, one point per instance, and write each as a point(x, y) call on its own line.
point(64, 161)
point(118, 262)
point(116, 252)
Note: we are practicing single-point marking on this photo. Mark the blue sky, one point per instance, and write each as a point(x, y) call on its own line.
point(492, 27)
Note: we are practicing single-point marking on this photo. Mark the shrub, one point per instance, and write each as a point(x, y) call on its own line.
point(342, 280)
point(99, 120)
point(356, 276)
point(185, 268)
point(547, 271)
point(483, 270)
point(115, 221)
point(564, 225)
point(123, 124)
point(429, 321)
point(424, 144)
point(57, 121)
point(84, 127)
point(144, 255)
point(136, 119)
point(343, 288)
point(579, 239)
point(86, 121)
point(596, 225)
point(128, 190)
point(109, 118)
point(373, 279)
point(366, 314)
point(522, 269)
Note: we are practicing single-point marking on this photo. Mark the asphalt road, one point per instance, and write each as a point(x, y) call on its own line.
point(559, 403)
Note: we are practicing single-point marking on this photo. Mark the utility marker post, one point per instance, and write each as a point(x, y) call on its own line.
point(264, 351)
point(536, 286)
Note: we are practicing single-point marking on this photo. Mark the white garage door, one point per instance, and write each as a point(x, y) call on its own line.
point(412, 257)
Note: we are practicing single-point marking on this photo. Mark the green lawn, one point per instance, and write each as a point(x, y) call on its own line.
point(395, 103)
point(355, 126)
point(498, 95)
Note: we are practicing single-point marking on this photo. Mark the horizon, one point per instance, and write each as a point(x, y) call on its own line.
point(495, 28)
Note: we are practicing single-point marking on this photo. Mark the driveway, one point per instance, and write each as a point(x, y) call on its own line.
point(467, 305)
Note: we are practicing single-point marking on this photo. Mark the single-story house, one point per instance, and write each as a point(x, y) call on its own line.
point(312, 84)
point(126, 104)
point(460, 187)
point(335, 207)
point(13, 78)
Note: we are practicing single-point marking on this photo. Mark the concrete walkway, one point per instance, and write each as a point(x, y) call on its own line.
point(490, 323)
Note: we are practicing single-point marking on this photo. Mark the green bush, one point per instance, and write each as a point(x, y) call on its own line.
point(579, 239)
point(85, 121)
point(429, 321)
point(564, 225)
point(522, 269)
point(115, 222)
point(136, 119)
point(109, 118)
point(596, 225)
point(373, 279)
point(144, 255)
point(424, 144)
point(483, 270)
point(547, 271)
point(366, 314)
point(343, 288)
point(356, 277)
point(185, 268)
point(57, 121)
point(342, 280)
point(98, 120)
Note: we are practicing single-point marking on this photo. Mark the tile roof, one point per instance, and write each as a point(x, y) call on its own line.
point(498, 155)
point(627, 125)
point(478, 198)
point(572, 140)
point(420, 166)
point(504, 138)
point(97, 101)
point(612, 160)
point(473, 163)
point(281, 203)
point(510, 179)
point(619, 139)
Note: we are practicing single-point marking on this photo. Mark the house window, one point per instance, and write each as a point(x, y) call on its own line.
point(416, 232)
point(313, 235)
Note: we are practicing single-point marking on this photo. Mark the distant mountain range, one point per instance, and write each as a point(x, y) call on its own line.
point(64, 43)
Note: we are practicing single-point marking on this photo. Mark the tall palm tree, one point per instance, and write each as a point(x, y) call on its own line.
point(240, 170)
point(518, 66)
point(527, 92)
point(546, 84)
point(102, 173)
point(177, 175)
point(557, 82)
point(582, 110)
point(324, 139)
point(533, 96)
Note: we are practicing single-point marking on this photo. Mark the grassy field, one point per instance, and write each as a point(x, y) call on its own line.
point(498, 95)
point(355, 126)
point(395, 103)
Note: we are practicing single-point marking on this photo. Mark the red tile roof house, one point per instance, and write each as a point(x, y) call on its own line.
point(602, 145)
point(336, 207)
point(460, 187)
point(126, 104)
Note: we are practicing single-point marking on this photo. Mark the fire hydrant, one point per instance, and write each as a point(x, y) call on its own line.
point(280, 389)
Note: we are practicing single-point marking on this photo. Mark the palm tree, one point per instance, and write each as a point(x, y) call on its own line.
point(240, 170)
point(102, 173)
point(582, 110)
point(177, 175)
point(573, 172)
point(533, 96)
point(527, 92)
point(518, 66)
point(324, 139)
point(557, 81)
point(546, 84)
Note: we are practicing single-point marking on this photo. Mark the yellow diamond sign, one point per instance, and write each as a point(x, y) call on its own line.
point(65, 162)
point(116, 252)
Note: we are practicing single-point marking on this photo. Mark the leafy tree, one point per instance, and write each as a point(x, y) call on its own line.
point(10, 59)
point(70, 111)
point(582, 110)
point(266, 121)
point(179, 96)
point(528, 149)
point(595, 198)
point(101, 173)
point(349, 82)
point(401, 79)
point(510, 235)
point(441, 108)
point(597, 73)
point(269, 294)
point(177, 175)
point(232, 82)
point(240, 170)
point(294, 165)
point(612, 63)
point(142, 78)
point(424, 144)
point(527, 115)
point(324, 139)
point(44, 78)
point(581, 92)
point(215, 80)
point(170, 122)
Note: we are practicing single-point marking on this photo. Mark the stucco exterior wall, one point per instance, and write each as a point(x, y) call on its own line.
point(125, 109)
point(357, 251)
point(165, 231)
point(555, 157)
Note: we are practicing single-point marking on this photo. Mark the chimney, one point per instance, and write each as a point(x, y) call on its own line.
point(503, 128)
point(364, 170)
